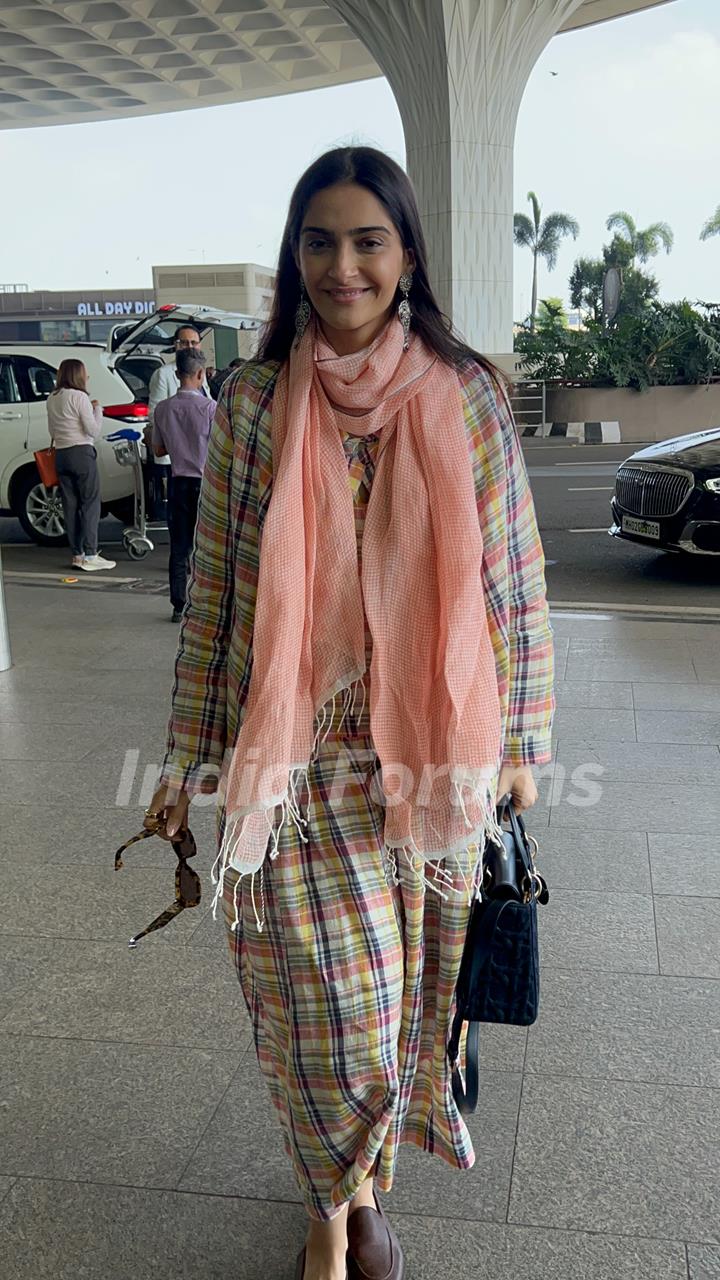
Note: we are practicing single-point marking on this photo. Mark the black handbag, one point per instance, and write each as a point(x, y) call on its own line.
point(499, 978)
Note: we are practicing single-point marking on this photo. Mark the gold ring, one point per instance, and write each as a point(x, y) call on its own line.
point(149, 813)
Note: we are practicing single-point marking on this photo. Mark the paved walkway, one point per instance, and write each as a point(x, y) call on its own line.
point(136, 1140)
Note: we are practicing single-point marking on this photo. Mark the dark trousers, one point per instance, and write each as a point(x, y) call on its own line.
point(183, 494)
point(80, 494)
point(156, 478)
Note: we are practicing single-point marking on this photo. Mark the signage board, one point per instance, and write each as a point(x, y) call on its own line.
point(119, 308)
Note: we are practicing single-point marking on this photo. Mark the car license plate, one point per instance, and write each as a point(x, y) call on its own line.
point(642, 528)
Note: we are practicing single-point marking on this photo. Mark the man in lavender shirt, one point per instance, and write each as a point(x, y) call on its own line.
point(181, 428)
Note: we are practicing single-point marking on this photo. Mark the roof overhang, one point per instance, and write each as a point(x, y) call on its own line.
point(593, 11)
point(78, 60)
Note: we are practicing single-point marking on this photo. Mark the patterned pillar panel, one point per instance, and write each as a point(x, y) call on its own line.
point(458, 69)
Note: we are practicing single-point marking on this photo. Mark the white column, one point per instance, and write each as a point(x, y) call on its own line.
point(458, 69)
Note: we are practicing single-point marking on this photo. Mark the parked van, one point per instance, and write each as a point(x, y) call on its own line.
point(118, 376)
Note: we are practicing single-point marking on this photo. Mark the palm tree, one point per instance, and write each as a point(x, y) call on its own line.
point(712, 226)
point(542, 238)
point(643, 244)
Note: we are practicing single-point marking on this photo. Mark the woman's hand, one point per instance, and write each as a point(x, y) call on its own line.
point(518, 781)
point(173, 805)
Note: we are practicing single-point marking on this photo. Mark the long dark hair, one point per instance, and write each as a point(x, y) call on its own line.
point(392, 187)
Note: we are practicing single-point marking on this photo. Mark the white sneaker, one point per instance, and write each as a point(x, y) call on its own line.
point(77, 562)
point(91, 563)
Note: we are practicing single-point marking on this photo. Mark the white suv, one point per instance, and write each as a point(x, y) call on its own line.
point(118, 376)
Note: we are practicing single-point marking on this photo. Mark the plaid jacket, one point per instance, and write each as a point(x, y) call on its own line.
point(214, 661)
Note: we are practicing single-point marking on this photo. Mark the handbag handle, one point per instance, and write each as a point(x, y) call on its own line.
point(506, 812)
point(466, 1098)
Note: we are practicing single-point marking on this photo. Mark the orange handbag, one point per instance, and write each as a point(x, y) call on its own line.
point(45, 460)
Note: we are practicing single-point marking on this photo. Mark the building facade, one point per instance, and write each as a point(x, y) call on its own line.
point(57, 316)
point(241, 286)
point(88, 315)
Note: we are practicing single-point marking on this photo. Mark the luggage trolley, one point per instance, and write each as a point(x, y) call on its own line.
point(130, 452)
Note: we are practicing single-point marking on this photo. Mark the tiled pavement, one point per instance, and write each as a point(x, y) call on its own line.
point(136, 1140)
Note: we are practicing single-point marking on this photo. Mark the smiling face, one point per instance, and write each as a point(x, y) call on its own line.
point(351, 257)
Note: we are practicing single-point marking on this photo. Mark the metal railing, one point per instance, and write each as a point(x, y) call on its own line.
point(529, 404)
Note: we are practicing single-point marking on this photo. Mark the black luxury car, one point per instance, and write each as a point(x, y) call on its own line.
point(668, 495)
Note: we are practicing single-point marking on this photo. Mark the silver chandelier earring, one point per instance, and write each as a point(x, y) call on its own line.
point(405, 310)
point(302, 314)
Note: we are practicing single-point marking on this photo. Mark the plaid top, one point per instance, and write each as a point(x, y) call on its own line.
point(214, 661)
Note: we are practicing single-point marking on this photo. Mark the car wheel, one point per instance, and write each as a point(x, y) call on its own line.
point(39, 510)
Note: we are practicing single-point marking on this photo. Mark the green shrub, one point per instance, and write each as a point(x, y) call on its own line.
point(662, 344)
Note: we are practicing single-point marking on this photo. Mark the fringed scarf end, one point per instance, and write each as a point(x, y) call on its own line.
point(442, 880)
point(234, 828)
point(326, 715)
point(259, 918)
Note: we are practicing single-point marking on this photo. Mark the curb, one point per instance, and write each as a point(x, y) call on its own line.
point(655, 612)
point(581, 432)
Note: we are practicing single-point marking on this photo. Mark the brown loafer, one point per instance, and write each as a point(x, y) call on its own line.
point(374, 1251)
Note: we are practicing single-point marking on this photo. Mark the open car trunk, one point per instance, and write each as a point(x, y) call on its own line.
point(153, 334)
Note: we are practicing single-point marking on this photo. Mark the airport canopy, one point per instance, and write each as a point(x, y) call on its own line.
point(458, 70)
point(81, 60)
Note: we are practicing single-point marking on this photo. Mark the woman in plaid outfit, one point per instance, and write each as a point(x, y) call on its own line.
point(346, 640)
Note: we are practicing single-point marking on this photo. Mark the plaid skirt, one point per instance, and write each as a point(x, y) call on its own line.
point(350, 985)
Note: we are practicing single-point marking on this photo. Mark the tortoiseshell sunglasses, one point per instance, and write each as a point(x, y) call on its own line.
point(187, 881)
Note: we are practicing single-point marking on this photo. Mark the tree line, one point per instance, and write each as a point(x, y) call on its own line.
point(629, 245)
point(630, 338)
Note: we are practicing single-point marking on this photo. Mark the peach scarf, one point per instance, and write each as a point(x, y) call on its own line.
point(434, 707)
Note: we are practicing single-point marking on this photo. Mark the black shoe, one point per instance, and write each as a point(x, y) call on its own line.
point(177, 615)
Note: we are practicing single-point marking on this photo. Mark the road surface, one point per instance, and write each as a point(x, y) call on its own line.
point(572, 486)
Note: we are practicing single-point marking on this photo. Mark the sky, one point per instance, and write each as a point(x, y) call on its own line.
point(630, 121)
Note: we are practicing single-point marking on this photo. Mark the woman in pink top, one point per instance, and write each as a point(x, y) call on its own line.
point(74, 423)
